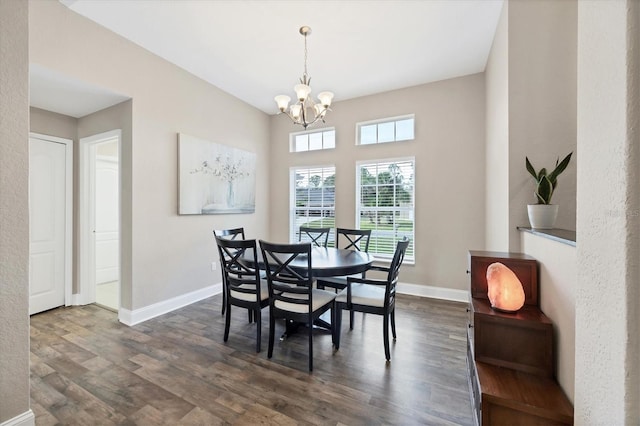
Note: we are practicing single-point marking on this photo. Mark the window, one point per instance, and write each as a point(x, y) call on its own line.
point(312, 140)
point(387, 130)
point(385, 204)
point(312, 199)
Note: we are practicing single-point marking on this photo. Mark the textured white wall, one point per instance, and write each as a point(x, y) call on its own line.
point(557, 284)
point(14, 210)
point(607, 314)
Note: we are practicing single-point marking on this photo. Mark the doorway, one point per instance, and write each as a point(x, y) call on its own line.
point(100, 218)
point(50, 222)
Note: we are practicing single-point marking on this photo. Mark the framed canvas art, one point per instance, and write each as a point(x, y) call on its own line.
point(214, 178)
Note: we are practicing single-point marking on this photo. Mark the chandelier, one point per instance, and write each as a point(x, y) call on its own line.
point(305, 111)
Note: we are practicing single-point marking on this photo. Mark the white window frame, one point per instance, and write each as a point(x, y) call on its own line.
point(321, 131)
point(378, 122)
point(407, 211)
point(293, 225)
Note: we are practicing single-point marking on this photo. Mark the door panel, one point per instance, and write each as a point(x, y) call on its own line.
point(47, 209)
point(107, 221)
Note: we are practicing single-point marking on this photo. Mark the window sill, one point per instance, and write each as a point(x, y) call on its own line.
point(563, 236)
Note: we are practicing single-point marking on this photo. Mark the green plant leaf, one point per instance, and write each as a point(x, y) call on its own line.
point(544, 191)
point(541, 173)
point(530, 168)
point(559, 168)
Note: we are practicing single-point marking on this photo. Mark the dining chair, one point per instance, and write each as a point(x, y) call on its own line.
point(349, 239)
point(373, 296)
point(229, 234)
point(244, 286)
point(292, 296)
point(319, 237)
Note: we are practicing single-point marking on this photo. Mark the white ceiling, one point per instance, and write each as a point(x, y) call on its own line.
point(59, 93)
point(252, 49)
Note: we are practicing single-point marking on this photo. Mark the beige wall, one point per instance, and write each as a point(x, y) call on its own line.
point(170, 254)
point(542, 104)
point(14, 212)
point(607, 308)
point(497, 138)
point(449, 154)
point(531, 111)
point(53, 124)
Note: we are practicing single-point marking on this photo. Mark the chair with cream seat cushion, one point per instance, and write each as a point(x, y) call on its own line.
point(292, 295)
point(244, 286)
point(373, 296)
point(348, 239)
point(228, 234)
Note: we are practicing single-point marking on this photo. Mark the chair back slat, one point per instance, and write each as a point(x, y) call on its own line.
point(394, 269)
point(353, 239)
point(239, 276)
point(282, 278)
point(230, 234)
point(319, 237)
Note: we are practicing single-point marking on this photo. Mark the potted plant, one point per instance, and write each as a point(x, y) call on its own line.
point(543, 214)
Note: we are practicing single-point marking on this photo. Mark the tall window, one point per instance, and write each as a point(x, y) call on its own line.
point(385, 204)
point(311, 140)
point(313, 201)
point(386, 130)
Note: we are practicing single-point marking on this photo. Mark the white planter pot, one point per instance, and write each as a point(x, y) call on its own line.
point(542, 216)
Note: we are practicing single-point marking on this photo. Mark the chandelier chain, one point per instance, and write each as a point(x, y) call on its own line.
point(305, 58)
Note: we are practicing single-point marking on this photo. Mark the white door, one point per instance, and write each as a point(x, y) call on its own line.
point(107, 219)
point(47, 224)
point(99, 219)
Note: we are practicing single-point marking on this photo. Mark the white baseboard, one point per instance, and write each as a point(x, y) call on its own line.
point(77, 299)
point(137, 316)
point(433, 292)
point(25, 419)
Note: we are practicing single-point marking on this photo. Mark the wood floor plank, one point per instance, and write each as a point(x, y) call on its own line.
point(83, 399)
point(177, 370)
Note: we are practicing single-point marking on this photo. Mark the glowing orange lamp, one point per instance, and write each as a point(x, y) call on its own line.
point(505, 289)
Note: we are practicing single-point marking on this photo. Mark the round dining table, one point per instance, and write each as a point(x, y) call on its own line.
point(327, 261)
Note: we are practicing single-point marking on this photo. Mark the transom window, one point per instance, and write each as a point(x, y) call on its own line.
point(386, 130)
point(313, 201)
point(312, 140)
point(385, 204)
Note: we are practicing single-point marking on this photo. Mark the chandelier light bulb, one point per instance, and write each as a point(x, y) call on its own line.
point(302, 91)
point(325, 98)
point(295, 111)
point(283, 102)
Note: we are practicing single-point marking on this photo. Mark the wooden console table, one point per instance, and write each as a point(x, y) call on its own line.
point(510, 355)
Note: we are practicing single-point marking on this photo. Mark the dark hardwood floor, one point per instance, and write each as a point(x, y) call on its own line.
point(88, 369)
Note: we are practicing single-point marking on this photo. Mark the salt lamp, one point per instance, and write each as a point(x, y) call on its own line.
point(505, 289)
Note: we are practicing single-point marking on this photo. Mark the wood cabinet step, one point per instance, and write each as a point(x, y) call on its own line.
point(510, 356)
point(516, 398)
point(521, 340)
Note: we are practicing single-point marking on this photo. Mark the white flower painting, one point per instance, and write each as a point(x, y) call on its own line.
point(215, 178)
